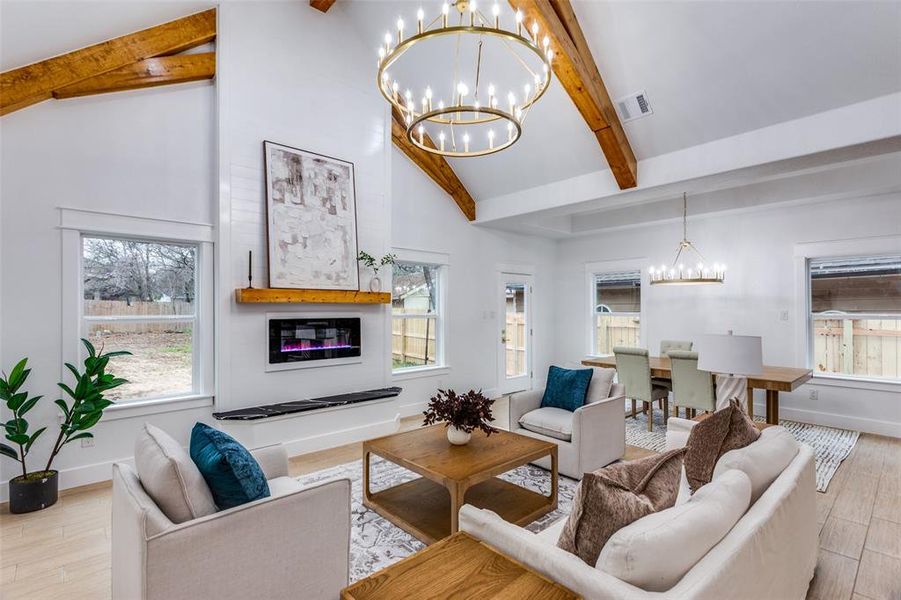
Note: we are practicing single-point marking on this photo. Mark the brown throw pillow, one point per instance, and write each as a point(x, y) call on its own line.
point(617, 495)
point(726, 429)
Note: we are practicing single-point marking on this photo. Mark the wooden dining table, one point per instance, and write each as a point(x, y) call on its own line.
point(773, 380)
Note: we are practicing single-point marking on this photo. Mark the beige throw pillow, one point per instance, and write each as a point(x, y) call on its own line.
point(170, 477)
point(726, 429)
point(617, 495)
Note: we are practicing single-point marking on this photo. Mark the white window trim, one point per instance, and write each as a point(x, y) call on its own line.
point(441, 367)
point(612, 266)
point(803, 252)
point(74, 224)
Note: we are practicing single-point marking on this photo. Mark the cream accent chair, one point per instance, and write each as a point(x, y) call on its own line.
point(597, 431)
point(633, 370)
point(294, 544)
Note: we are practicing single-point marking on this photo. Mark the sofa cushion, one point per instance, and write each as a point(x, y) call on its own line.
point(678, 536)
point(761, 461)
point(724, 430)
point(566, 388)
point(612, 497)
point(170, 477)
point(233, 475)
point(600, 385)
point(552, 422)
point(279, 486)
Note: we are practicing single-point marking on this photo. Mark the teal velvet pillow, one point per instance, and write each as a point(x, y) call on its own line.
point(566, 388)
point(234, 476)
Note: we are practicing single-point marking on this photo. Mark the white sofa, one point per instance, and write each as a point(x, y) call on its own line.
point(597, 434)
point(770, 553)
point(293, 544)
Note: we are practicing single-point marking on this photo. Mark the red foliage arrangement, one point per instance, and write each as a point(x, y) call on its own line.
point(467, 412)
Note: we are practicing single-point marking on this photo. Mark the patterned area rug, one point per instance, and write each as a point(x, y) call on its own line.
point(376, 543)
point(830, 445)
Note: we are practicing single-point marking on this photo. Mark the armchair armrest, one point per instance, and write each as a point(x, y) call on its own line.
point(522, 403)
point(291, 546)
point(599, 432)
point(677, 431)
point(273, 460)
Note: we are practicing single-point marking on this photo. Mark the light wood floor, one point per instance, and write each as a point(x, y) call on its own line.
point(64, 551)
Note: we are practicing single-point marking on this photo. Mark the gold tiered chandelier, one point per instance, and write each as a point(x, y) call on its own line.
point(462, 121)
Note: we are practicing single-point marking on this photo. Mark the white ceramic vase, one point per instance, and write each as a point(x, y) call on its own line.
point(375, 284)
point(457, 437)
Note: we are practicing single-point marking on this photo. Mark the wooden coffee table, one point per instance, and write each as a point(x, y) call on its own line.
point(427, 507)
point(459, 567)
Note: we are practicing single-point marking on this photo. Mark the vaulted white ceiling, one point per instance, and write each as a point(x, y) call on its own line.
point(711, 70)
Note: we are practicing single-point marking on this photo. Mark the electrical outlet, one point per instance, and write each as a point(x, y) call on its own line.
point(87, 442)
point(814, 394)
point(783, 315)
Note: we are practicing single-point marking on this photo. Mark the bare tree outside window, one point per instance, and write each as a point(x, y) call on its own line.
point(140, 296)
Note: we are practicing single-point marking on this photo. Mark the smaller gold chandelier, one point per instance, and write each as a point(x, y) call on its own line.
point(473, 122)
point(678, 274)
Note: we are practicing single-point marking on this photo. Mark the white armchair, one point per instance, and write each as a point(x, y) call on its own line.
point(293, 544)
point(598, 431)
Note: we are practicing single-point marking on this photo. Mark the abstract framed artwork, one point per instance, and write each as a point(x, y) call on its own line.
point(311, 220)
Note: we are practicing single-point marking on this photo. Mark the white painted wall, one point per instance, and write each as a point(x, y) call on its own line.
point(758, 247)
point(148, 153)
point(425, 218)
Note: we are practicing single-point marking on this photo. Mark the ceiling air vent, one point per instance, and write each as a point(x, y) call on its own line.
point(634, 106)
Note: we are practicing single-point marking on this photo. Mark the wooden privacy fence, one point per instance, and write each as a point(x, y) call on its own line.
point(516, 344)
point(121, 308)
point(867, 347)
point(615, 331)
point(413, 340)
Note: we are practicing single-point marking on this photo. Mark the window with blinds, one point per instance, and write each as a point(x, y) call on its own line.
point(855, 316)
point(616, 311)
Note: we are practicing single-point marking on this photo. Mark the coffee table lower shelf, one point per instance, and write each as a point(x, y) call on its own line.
point(422, 507)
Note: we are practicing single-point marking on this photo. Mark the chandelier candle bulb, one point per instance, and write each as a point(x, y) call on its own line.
point(441, 140)
point(472, 13)
point(445, 8)
point(428, 96)
point(519, 23)
point(465, 142)
point(496, 11)
point(421, 132)
point(420, 15)
point(400, 31)
point(491, 138)
point(535, 31)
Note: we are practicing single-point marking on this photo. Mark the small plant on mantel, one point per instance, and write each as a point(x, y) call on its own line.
point(39, 489)
point(375, 284)
point(461, 413)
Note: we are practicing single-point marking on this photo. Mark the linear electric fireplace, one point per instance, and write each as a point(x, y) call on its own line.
point(316, 341)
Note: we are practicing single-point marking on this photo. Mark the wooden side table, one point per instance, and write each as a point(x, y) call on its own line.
point(459, 567)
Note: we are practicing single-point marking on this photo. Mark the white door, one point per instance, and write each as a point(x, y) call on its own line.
point(515, 336)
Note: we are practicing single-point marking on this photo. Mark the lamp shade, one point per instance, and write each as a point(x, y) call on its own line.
point(732, 354)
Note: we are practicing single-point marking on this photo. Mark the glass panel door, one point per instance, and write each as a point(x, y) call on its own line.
point(515, 349)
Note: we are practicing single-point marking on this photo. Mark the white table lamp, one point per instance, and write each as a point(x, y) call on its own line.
point(730, 354)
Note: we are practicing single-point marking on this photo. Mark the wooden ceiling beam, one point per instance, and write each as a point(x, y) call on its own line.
point(151, 72)
point(434, 165)
point(577, 71)
point(36, 82)
point(322, 5)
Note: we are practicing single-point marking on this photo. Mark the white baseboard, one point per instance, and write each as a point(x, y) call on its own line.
point(864, 425)
point(102, 471)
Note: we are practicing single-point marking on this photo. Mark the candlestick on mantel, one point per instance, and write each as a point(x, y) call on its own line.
point(250, 269)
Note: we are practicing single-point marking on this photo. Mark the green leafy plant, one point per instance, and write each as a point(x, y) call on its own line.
point(18, 402)
point(87, 401)
point(370, 261)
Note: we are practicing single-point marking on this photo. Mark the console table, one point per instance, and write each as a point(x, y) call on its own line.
point(773, 380)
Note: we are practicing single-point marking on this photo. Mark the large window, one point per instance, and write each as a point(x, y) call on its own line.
point(855, 316)
point(416, 324)
point(141, 296)
point(616, 311)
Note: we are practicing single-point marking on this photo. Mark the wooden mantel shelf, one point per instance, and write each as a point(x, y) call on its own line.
point(288, 296)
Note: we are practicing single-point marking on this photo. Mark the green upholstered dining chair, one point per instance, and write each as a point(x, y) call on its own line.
point(633, 371)
point(667, 345)
point(693, 389)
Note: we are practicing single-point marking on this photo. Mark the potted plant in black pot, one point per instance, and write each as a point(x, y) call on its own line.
point(462, 414)
point(37, 490)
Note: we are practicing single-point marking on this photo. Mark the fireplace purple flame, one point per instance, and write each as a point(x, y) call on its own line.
point(313, 339)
